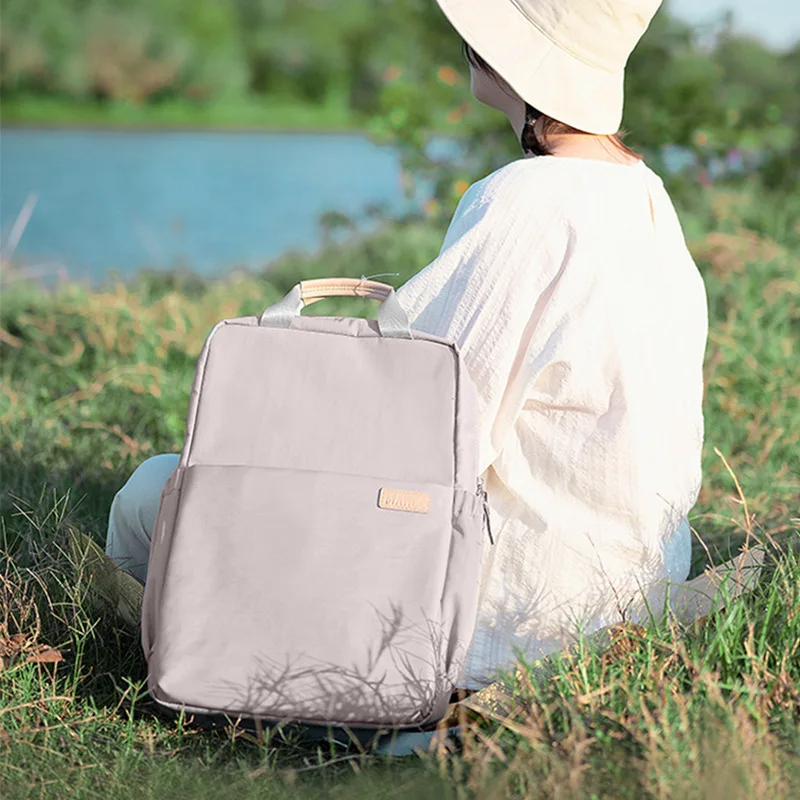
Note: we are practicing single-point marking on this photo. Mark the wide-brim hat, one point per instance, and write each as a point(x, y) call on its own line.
point(565, 58)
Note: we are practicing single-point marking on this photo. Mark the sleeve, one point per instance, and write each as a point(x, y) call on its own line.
point(502, 256)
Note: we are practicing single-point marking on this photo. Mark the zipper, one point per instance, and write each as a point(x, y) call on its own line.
point(485, 502)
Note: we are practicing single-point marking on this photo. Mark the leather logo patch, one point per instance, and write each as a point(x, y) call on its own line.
point(405, 500)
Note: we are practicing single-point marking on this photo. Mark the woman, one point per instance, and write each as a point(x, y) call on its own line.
point(565, 279)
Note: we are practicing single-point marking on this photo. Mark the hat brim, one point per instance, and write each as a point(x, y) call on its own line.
point(555, 82)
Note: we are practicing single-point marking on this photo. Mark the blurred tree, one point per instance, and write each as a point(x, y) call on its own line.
point(724, 103)
point(37, 41)
point(761, 95)
point(728, 101)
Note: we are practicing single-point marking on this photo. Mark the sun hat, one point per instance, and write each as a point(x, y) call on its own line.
point(566, 58)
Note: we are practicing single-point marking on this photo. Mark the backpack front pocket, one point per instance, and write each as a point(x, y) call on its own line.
point(300, 594)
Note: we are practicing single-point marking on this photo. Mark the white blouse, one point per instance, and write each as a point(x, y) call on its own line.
point(582, 319)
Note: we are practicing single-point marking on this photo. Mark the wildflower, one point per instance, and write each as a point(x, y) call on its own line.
point(447, 75)
point(430, 206)
point(392, 73)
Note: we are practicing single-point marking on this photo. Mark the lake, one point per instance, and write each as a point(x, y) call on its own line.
point(210, 201)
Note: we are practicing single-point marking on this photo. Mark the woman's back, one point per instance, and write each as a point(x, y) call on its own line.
point(582, 319)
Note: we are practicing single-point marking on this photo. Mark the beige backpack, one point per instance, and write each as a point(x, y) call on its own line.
point(317, 552)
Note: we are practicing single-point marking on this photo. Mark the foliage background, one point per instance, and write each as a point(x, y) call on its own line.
point(394, 66)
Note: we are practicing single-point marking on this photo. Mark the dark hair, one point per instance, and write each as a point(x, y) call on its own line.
point(530, 142)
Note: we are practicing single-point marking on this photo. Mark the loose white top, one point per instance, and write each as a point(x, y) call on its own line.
point(582, 319)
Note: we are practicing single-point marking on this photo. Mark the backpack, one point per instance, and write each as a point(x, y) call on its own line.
point(316, 556)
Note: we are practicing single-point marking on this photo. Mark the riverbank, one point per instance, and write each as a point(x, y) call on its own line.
point(271, 114)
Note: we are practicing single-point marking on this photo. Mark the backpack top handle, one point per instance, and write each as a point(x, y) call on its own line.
point(392, 318)
point(319, 288)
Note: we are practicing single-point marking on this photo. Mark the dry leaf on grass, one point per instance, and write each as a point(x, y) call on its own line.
point(19, 647)
point(47, 655)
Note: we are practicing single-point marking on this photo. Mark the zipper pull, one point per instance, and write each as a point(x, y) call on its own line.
point(485, 502)
point(488, 524)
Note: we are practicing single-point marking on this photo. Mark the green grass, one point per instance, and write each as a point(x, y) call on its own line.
point(93, 382)
point(269, 113)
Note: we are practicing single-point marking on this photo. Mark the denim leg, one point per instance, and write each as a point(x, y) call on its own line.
point(678, 553)
point(133, 514)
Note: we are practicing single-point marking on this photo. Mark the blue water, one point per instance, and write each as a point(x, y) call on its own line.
point(209, 201)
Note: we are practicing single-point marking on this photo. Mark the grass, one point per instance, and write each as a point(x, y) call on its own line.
point(269, 113)
point(93, 382)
